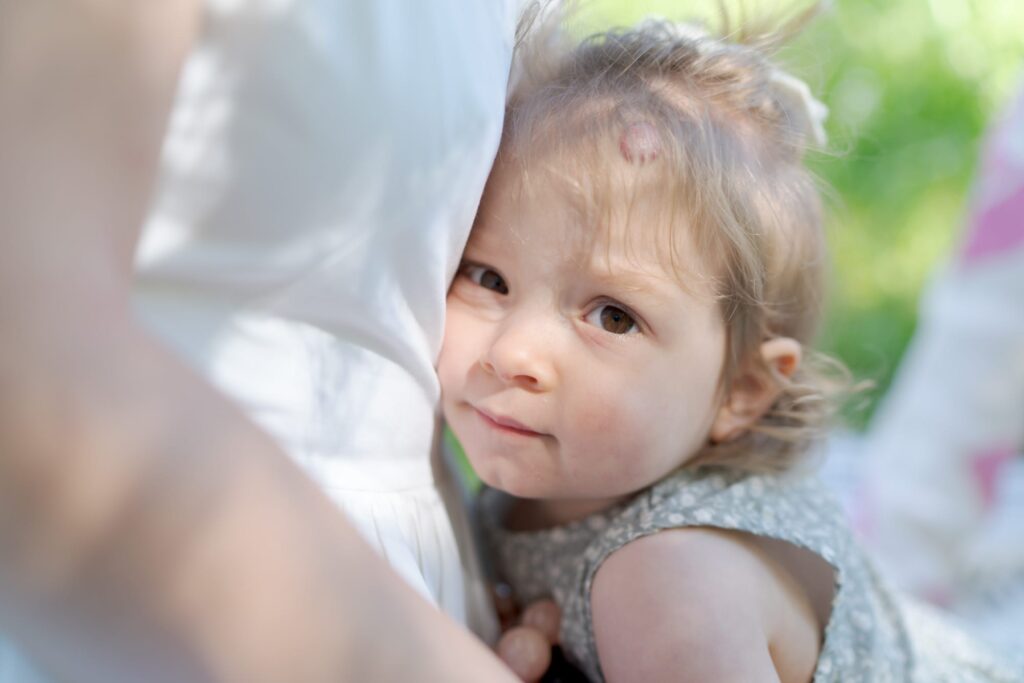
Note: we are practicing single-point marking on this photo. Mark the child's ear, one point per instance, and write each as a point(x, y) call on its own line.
point(755, 389)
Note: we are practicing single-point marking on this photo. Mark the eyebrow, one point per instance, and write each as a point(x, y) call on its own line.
point(631, 281)
point(488, 239)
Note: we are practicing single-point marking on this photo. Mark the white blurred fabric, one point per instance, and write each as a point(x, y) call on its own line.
point(323, 164)
point(960, 389)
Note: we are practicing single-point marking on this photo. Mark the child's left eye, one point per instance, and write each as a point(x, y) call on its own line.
point(614, 319)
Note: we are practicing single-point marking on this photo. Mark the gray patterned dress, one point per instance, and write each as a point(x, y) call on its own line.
point(872, 636)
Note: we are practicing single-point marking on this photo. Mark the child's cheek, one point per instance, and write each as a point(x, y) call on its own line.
point(461, 333)
point(614, 436)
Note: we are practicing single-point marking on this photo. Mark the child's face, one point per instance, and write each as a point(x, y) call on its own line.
point(575, 370)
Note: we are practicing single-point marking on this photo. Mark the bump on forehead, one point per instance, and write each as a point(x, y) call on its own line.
point(640, 143)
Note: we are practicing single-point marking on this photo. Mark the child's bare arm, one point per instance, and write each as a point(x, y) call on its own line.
point(694, 605)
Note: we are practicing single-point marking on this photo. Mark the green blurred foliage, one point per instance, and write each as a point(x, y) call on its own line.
point(911, 85)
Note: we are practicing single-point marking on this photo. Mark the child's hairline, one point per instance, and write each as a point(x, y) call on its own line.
point(670, 221)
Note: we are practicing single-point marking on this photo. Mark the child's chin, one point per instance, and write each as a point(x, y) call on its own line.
point(512, 482)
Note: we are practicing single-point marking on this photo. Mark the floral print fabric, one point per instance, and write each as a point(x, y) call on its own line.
point(872, 635)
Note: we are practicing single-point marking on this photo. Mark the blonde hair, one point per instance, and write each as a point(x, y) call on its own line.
point(730, 169)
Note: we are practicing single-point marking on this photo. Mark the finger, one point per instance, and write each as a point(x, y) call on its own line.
point(546, 617)
point(526, 651)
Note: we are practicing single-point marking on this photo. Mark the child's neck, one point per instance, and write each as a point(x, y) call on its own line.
point(527, 514)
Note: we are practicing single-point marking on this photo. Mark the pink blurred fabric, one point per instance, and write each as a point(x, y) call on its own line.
point(998, 216)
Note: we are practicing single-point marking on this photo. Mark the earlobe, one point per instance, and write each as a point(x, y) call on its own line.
point(728, 425)
point(755, 389)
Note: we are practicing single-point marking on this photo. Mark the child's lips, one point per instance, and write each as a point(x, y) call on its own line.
point(505, 424)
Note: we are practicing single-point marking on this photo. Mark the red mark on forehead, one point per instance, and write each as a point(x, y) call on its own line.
point(640, 143)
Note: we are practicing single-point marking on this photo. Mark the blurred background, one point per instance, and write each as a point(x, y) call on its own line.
point(911, 86)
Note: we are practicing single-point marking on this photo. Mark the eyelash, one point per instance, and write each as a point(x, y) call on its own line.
point(468, 269)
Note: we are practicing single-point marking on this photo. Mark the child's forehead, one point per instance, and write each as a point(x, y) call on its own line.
point(618, 226)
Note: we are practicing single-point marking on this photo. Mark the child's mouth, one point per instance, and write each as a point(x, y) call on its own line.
point(505, 424)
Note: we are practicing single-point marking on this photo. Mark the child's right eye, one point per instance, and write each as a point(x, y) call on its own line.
point(488, 278)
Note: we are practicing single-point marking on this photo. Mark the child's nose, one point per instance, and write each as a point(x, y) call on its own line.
point(521, 354)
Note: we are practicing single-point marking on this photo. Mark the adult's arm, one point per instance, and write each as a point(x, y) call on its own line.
point(148, 531)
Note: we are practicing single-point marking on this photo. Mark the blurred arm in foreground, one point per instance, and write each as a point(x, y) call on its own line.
point(129, 489)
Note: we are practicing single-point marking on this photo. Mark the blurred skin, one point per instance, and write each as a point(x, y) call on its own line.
point(528, 638)
point(526, 651)
point(147, 530)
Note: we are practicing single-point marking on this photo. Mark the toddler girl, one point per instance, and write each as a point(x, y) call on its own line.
point(625, 358)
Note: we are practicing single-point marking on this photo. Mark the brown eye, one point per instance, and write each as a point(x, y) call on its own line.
point(486, 278)
point(613, 319)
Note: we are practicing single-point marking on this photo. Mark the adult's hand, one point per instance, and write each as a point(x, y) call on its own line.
point(530, 639)
point(147, 530)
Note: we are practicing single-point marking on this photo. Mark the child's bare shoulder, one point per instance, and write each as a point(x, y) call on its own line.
point(704, 605)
